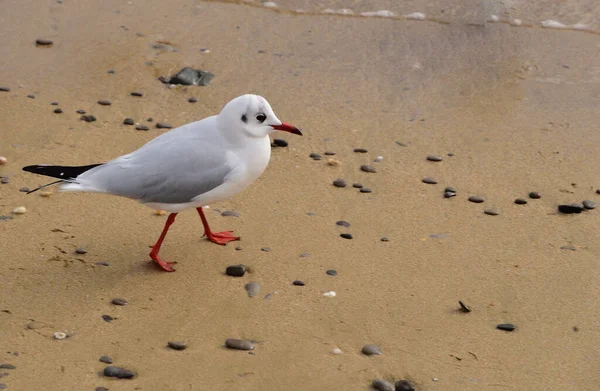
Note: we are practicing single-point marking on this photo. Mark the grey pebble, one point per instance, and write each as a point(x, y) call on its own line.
point(463, 306)
point(104, 102)
point(400, 143)
point(3, 217)
point(305, 255)
point(571, 248)
point(137, 93)
point(80, 250)
point(434, 158)
point(450, 189)
point(31, 96)
point(177, 345)
point(106, 360)
point(331, 272)
point(43, 42)
point(7, 366)
point(189, 76)
point(298, 283)
point(368, 168)
point(142, 127)
point(366, 190)
point(589, 204)
point(534, 195)
point(448, 194)
point(119, 301)
point(329, 153)
point(279, 142)
point(239, 344)
point(80, 111)
point(506, 326)
point(340, 183)
point(238, 248)
point(111, 71)
point(571, 208)
point(163, 125)
point(521, 201)
point(58, 110)
point(315, 156)
point(103, 263)
point(357, 185)
point(360, 150)
point(55, 103)
point(404, 385)
point(476, 199)
point(492, 212)
point(101, 389)
point(193, 100)
point(5, 180)
point(3, 386)
point(343, 223)
point(429, 181)
point(88, 118)
point(4, 89)
point(382, 385)
point(24, 189)
point(128, 121)
point(107, 318)
point(371, 350)
point(346, 236)
point(265, 249)
point(118, 372)
point(235, 270)
point(231, 213)
point(252, 288)
point(385, 239)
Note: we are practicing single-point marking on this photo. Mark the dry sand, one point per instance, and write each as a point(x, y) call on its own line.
point(517, 106)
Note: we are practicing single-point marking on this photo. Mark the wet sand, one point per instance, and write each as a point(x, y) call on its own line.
point(518, 108)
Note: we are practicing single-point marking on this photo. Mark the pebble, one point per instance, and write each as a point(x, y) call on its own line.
point(434, 158)
point(331, 153)
point(378, 159)
point(506, 326)
point(534, 195)
point(357, 185)
point(3, 217)
point(106, 360)
point(382, 385)
point(570, 248)
point(571, 208)
point(102, 263)
point(54, 103)
point(337, 351)
point(189, 76)
point(230, 213)
point(177, 345)
point(88, 118)
point(346, 236)
point(4, 89)
point(521, 201)
point(80, 111)
point(31, 96)
point(265, 249)
point(43, 42)
point(119, 301)
point(315, 156)
point(45, 193)
point(107, 318)
point(331, 272)
point(5, 180)
point(360, 150)
point(137, 93)
point(340, 183)
point(142, 127)
point(24, 189)
point(19, 210)
point(298, 283)
point(3, 160)
point(239, 344)
point(35, 325)
point(366, 190)
point(343, 223)
point(329, 294)
point(450, 189)
point(404, 385)
point(58, 110)
point(104, 102)
point(429, 181)
point(193, 100)
point(252, 288)
point(128, 121)
point(235, 270)
point(7, 366)
point(59, 335)
point(163, 125)
point(3, 386)
point(463, 307)
point(371, 350)
point(118, 372)
point(368, 168)
point(101, 389)
point(597, 191)
point(448, 194)
point(81, 250)
point(589, 204)
point(492, 212)
point(476, 199)
point(279, 142)
point(385, 239)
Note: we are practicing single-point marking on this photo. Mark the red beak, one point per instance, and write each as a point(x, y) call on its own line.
point(287, 128)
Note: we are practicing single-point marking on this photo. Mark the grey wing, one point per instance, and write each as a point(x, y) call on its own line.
point(173, 172)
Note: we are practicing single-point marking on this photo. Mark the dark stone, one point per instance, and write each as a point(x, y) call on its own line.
point(189, 76)
point(142, 127)
point(177, 345)
point(429, 181)
point(597, 191)
point(404, 385)
point(346, 236)
point(463, 307)
point(534, 195)
point(360, 150)
point(43, 42)
point(384, 239)
point(239, 344)
point(265, 249)
point(434, 158)
point(448, 194)
point(88, 118)
point(80, 111)
point(128, 121)
point(315, 156)
point(54, 103)
point(589, 204)
point(340, 183)
point(7, 366)
point(103, 263)
point(506, 326)
point(104, 102)
point(450, 189)
point(365, 190)
point(280, 142)
point(58, 110)
point(119, 301)
point(106, 360)
point(31, 96)
point(235, 270)
point(5, 180)
point(570, 248)
point(193, 100)
point(331, 272)
point(371, 350)
point(4, 89)
point(382, 385)
point(357, 185)
point(101, 389)
point(118, 372)
point(570, 208)
point(329, 153)
point(298, 283)
point(111, 72)
point(163, 125)
point(231, 213)
point(476, 199)
point(80, 250)
point(521, 201)
point(137, 93)
point(368, 168)
point(343, 223)
point(492, 212)
point(24, 189)
point(107, 318)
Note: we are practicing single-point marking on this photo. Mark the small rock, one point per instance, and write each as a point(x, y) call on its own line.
point(357, 185)
point(142, 127)
point(429, 181)
point(230, 213)
point(382, 385)
point(368, 168)
point(128, 121)
point(4, 89)
point(329, 294)
point(336, 351)
point(570, 248)
point(571, 208)
point(343, 223)
point(346, 236)
point(239, 344)
point(24, 189)
point(534, 195)
point(252, 288)
point(521, 201)
point(597, 191)
point(384, 239)
point(5, 180)
point(340, 183)
point(106, 360)
point(265, 249)
point(137, 93)
point(193, 100)
point(107, 318)
point(188, 76)
point(434, 158)
point(404, 385)
point(448, 194)
point(463, 307)
point(80, 250)
point(7, 366)
point(589, 204)
point(111, 71)
point(476, 199)
point(88, 118)
point(102, 263)
point(331, 272)
point(31, 96)
point(101, 389)
point(315, 156)
point(19, 210)
point(80, 111)
point(298, 283)
point(118, 372)
point(119, 301)
point(235, 270)
point(3, 217)
point(378, 159)
point(371, 350)
point(3, 160)
point(506, 326)
point(58, 110)
point(163, 125)
point(43, 42)
point(104, 102)
point(54, 103)
point(279, 142)
point(177, 345)
point(35, 325)
point(329, 153)
point(366, 190)
point(492, 212)
point(450, 189)
point(360, 150)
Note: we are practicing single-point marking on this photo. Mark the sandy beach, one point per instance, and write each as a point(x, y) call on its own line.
point(510, 109)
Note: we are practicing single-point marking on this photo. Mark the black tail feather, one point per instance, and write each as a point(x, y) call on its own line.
point(60, 172)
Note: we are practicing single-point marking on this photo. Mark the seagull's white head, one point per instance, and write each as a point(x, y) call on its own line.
point(254, 116)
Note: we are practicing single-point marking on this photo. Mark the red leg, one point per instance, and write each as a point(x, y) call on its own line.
point(156, 248)
point(216, 237)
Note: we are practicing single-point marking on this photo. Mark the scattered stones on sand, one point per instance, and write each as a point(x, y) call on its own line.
point(58, 110)
point(463, 307)
point(188, 76)
point(506, 327)
point(44, 42)
point(476, 199)
point(368, 168)
point(177, 345)
point(342, 223)
point(118, 372)
point(80, 250)
point(141, 127)
point(230, 213)
point(106, 360)
point(521, 201)
point(434, 158)
point(404, 385)
point(104, 102)
point(360, 150)
point(137, 93)
point(382, 385)
point(239, 344)
point(163, 125)
point(534, 195)
point(107, 318)
point(298, 283)
point(429, 181)
point(331, 272)
point(193, 99)
point(315, 156)
point(366, 190)
point(4, 89)
point(88, 118)
point(235, 270)
point(589, 204)
point(3, 160)
point(330, 294)
point(279, 142)
point(346, 236)
point(19, 210)
point(492, 212)
point(128, 121)
point(252, 288)
point(371, 350)
point(571, 208)
point(119, 301)
point(340, 183)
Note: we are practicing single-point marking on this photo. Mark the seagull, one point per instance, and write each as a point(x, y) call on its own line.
point(192, 166)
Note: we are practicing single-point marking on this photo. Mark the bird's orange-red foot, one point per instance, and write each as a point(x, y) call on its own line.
point(166, 266)
point(221, 238)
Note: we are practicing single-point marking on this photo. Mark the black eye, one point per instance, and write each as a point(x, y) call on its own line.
point(244, 118)
point(261, 118)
